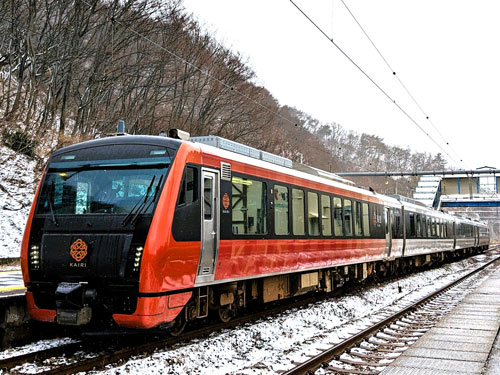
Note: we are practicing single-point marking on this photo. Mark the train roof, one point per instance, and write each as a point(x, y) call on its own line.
point(122, 140)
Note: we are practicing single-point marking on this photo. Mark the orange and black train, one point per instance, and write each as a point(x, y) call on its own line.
point(151, 231)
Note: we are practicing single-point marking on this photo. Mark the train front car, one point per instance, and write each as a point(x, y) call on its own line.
point(87, 235)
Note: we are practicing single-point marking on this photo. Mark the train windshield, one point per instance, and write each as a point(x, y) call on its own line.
point(105, 180)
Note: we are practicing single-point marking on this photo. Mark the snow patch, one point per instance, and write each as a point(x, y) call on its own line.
point(17, 188)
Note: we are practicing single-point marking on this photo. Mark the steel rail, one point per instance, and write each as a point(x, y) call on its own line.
point(314, 363)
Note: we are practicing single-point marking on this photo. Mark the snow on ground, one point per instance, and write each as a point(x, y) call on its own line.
point(273, 343)
point(17, 185)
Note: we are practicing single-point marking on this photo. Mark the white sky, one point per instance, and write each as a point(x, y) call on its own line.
point(446, 52)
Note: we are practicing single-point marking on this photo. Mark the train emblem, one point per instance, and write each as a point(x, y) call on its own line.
point(78, 250)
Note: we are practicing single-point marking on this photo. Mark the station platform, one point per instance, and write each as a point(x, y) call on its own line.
point(460, 343)
point(11, 284)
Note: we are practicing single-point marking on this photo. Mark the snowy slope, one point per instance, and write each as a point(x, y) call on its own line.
point(17, 186)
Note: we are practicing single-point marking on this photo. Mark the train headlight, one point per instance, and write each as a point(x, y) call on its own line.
point(34, 257)
point(137, 258)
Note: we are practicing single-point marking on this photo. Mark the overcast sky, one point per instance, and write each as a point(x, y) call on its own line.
point(446, 52)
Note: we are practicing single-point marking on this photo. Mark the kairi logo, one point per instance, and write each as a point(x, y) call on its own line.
point(78, 250)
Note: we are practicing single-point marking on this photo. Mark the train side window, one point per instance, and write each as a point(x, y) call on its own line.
point(326, 215)
point(312, 214)
point(357, 219)
point(207, 197)
point(188, 193)
point(347, 217)
point(433, 232)
point(412, 224)
point(298, 224)
point(419, 228)
point(396, 223)
point(249, 206)
point(429, 227)
point(280, 210)
point(337, 217)
point(366, 220)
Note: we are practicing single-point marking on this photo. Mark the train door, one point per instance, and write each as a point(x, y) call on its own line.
point(388, 231)
point(210, 226)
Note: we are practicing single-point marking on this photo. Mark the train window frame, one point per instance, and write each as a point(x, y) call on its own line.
point(276, 194)
point(357, 219)
point(412, 226)
point(338, 213)
point(261, 219)
point(418, 226)
point(326, 215)
point(313, 202)
point(184, 187)
point(365, 212)
point(347, 223)
point(295, 217)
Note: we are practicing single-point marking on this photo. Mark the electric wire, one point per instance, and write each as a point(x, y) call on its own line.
point(400, 81)
point(373, 82)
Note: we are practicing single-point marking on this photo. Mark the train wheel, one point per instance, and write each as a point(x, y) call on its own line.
point(179, 324)
point(225, 313)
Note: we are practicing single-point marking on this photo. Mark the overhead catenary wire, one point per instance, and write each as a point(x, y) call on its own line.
point(393, 71)
point(385, 93)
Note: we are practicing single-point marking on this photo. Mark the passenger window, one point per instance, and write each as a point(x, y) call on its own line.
point(412, 224)
point(357, 217)
point(347, 217)
point(366, 220)
point(249, 206)
point(280, 210)
point(188, 192)
point(298, 212)
point(312, 214)
point(337, 217)
point(326, 215)
point(418, 225)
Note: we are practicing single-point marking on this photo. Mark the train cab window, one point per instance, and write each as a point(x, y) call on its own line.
point(188, 193)
point(347, 217)
point(337, 217)
point(357, 219)
point(312, 214)
point(249, 206)
point(280, 210)
point(326, 215)
point(366, 220)
point(298, 224)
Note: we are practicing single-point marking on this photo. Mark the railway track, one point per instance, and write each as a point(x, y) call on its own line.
point(88, 355)
point(374, 348)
